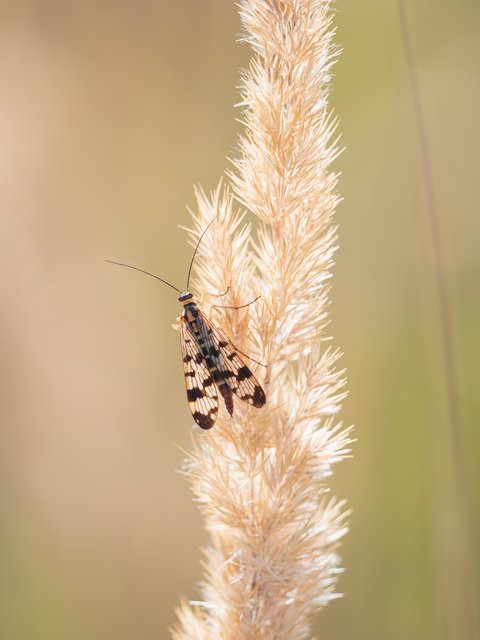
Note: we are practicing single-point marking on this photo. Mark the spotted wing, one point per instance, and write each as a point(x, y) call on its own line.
point(233, 370)
point(201, 390)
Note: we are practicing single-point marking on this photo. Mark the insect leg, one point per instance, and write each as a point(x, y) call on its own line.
point(247, 356)
point(220, 295)
point(220, 306)
point(242, 306)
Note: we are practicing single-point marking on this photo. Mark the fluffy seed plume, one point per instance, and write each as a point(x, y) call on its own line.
point(260, 478)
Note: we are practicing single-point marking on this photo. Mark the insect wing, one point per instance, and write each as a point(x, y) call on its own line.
point(201, 390)
point(234, 371)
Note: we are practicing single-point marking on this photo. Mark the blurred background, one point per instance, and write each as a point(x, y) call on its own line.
point(110, 112)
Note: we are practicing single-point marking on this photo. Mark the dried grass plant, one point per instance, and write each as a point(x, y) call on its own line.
point(260, 478)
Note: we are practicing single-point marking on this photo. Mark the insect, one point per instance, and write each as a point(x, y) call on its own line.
point(211, 363)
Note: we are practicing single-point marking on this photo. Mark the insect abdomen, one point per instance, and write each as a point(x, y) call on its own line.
point(209, 352)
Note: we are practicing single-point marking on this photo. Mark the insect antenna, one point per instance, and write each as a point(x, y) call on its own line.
point(196, 249)
point(129, 266)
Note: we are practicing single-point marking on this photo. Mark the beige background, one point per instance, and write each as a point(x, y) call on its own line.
point(109, 113)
